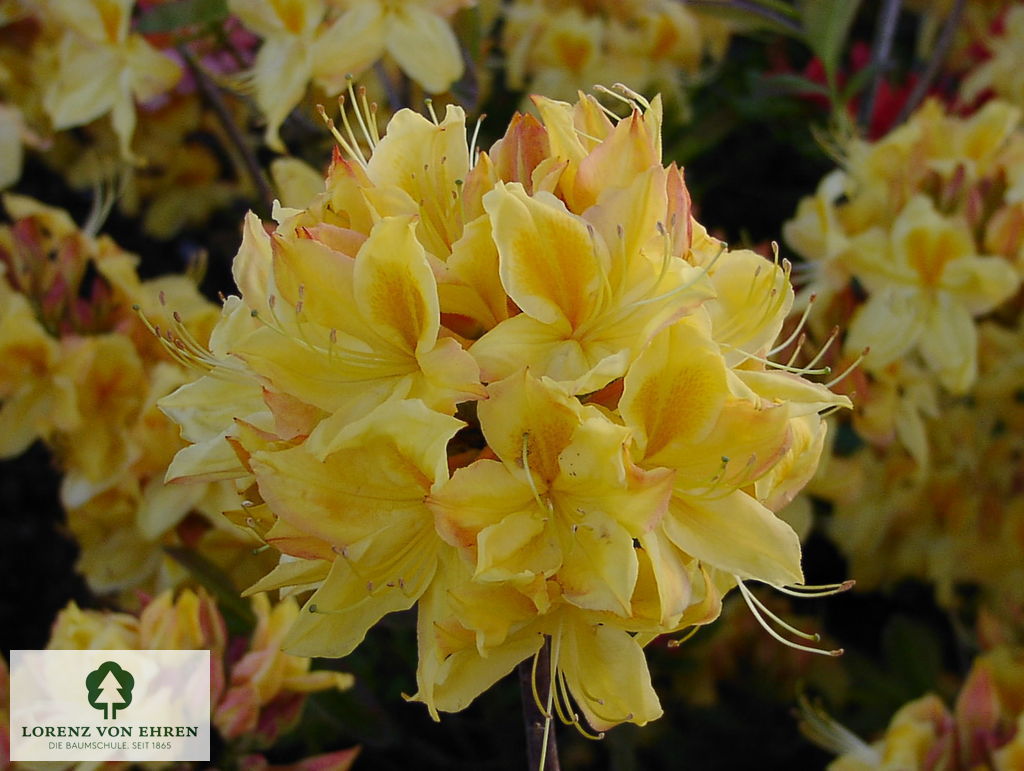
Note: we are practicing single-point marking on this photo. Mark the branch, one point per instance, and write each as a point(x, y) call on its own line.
point(881, 49)
point(211, 92)
point(942, 46)
point(533, 717)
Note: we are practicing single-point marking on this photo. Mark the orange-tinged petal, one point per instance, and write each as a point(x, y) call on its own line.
point(623, 155)
point(550, 264)
point(394, 287)
point(475, 288)
point(374, 474)
point(477, 496)
point(523, 147)
point(320, 274)
point(675, 391)
point(523, 413)
point(746, 441)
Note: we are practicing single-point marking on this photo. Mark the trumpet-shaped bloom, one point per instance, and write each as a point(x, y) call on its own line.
point(103, 68)
point(305, 41)
point(589, 303)
point(562, 501)
point(927, 281)
point(361, 492)
point(677, 400)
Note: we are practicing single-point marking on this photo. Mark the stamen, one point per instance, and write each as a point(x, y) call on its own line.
point(473, 154)
point(342, 142)
point(813, 637)
point(348, 128)
point(536, 694)
point(828, 342)
point(684, 639)
point(529, 474)
point(851, 368)
point(789, 643)
point(430, 109)
point(799, 328)
point(822, 590)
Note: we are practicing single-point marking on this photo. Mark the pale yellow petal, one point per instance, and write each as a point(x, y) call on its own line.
point(607, 674)
point(736, 534)
point(424, 46)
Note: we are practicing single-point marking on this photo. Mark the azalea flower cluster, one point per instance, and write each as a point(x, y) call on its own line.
point(82, 373)
point(984, 730)
point(116, 111)
point(522, 390)
point(329, 41)
point(917, 246)
point(553, 47)
point(256, 692)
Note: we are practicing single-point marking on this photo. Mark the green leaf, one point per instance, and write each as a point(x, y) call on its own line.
point(171, 17)
point(790, 83)
point(826, 26)
point(237, 613)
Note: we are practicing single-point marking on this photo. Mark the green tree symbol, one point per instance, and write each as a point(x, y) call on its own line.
point(110, 688)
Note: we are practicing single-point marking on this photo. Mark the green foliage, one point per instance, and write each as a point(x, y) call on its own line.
point(173, 17)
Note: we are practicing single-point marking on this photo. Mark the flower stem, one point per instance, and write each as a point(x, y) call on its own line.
point(540, 734)
point(210, 92)
point(942, 46)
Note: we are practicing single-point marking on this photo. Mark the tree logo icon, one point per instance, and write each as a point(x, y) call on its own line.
point(110, 688)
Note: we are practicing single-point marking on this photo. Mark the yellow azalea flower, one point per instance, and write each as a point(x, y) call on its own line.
point(471, 634)
point(1000, 73)
point(371, 334)
point(102, 67)
point(927, 281)
point(83, 630)
point(676, 399)
point(37, 396)
point(562, 501)
point(557, 47)
point(265, 680)
point(816, 234)
point(305, 41)
point(598, 492)
point(361, 492)
point(589, 302)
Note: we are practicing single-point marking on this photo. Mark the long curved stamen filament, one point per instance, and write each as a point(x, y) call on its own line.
point(472, 142)
point(675, 643)
point(833, 335)
point(848, 370)
point(789, 643)
point(350, 151)
point(546, 712)
point(823, 590)
point(367, 117)
point(529, 474)
point(813, 637)
point(796, 351)
point(796, 331)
